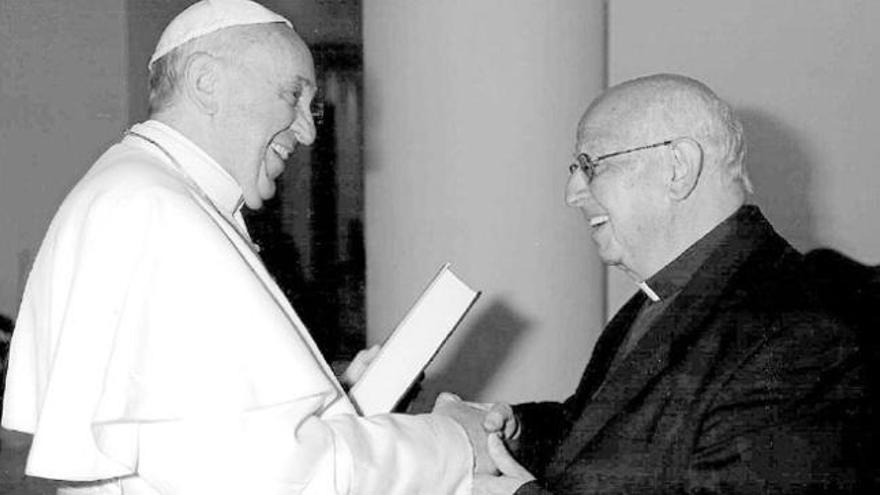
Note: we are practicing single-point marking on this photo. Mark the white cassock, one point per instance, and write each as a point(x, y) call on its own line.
point(152, 350)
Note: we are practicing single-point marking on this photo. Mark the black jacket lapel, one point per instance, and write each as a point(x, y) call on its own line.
point(754, 240)
point(603, 353)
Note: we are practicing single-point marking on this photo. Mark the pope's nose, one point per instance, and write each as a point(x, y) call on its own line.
point(304, 127)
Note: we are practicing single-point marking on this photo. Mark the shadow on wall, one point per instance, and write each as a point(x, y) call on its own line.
point(781, 168)
point(489, 340)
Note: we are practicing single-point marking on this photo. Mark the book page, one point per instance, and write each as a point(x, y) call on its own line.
point(413, 343)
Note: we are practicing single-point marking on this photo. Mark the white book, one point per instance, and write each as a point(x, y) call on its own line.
point(412, 345)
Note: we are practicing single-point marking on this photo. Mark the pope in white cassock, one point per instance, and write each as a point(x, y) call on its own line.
point(153, 354)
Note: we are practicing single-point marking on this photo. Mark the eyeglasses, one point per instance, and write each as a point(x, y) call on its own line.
point(588, 165)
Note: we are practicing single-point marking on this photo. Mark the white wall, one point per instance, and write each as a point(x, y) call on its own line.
point(470, 115)
point(63, 95)
point(803, 77)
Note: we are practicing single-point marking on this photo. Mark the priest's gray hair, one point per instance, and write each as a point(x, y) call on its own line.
point(720, 131)
point(668, 106)
point(690, 108)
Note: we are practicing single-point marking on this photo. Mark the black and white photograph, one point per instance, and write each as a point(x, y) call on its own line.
point(439, 247)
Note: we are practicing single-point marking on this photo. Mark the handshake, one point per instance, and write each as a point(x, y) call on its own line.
point(493, 430)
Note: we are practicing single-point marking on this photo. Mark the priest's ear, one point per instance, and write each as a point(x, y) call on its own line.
point(200, 80)
point(687, 165)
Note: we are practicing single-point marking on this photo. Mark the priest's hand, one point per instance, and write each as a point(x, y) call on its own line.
point(470, 417)
point(358, 365)
point(512, 476)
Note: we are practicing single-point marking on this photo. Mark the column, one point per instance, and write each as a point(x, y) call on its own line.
point(470, 113)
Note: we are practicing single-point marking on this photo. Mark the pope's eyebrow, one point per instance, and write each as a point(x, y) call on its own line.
point(301, 82)
point(297, 86)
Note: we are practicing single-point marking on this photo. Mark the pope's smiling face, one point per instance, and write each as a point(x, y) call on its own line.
point(269, 112)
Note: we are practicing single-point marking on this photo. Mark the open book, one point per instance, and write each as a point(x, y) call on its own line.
point(413, 343)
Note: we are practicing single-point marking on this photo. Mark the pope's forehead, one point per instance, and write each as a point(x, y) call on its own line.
point(301, 55)
point(280, 38)
point(283, 50)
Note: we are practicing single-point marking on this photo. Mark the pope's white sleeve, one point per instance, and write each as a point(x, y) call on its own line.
point(289, 450)
point(170, 362)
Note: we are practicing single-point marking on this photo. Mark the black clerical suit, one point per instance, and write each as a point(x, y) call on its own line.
point(742, 383)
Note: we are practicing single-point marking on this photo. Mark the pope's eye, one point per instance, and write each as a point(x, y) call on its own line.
point(291, 97)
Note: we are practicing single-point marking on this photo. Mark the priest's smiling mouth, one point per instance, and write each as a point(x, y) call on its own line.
point(598, 221)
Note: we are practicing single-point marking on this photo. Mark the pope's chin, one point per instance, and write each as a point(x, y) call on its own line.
point(253, 200)
point(262, 190)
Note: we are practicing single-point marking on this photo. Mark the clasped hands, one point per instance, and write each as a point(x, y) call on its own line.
point(488, 427)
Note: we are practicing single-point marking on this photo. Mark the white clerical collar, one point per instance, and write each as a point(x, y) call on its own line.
point(211, 178)
point(643, 286)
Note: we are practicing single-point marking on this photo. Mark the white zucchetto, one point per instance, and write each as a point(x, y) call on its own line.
point(207, 16)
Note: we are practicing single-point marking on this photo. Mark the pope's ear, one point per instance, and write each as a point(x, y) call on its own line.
point(201, 81)
point(687, 165)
